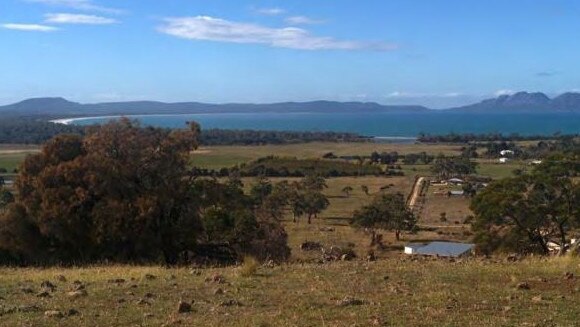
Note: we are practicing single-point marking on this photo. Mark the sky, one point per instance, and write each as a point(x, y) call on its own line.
point(440, 53)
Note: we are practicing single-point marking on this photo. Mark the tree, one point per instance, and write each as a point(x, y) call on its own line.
point(314, 203)
point(447, 167)
point(525, 213)
point(6, 197)
point(388, 212)
point(119, 193)
point(261, 189)
point(346, 190)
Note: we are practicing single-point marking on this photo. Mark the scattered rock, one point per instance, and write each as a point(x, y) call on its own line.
point(216, 278)
point(335, 253)
point(523, 286)
point(53, 314)
point(231, 303)
point(77, 294)
point(150, 277)
point(348, 301)
point(27, 290)
point(538, 298)
point(72, 312)
point(43, 294)
point(310, 246)
point(46, 285)
point(568, 275)
point(183, 307)
point(143, 302)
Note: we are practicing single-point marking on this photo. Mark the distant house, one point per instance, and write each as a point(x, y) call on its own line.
point(440, 249)
point(456, 193)
point(536, 162)
point(503, 160)
point(455, 181)
point(506, 152)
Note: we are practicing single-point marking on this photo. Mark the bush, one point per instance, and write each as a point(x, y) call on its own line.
point(249, 266)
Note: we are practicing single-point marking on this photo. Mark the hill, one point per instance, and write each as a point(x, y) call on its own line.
point(524, 102)
point(61, 108)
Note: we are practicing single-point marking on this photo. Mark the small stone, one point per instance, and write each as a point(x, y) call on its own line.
point(43, 294)
point(507, 308)
point(150, 277)
point(53, 314)
point(538, 298)
point(523, 286)
point(47, 285)
point(77, 294)
point(183, 307)
point(348, 301)
point(231, 303)
point(27, 290)
point(72, 312)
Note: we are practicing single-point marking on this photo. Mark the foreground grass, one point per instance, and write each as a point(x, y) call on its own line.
point(392, 292)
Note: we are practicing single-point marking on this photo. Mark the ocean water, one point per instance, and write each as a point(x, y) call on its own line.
point(370, 124)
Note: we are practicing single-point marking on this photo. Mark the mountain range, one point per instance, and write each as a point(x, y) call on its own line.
point(521, 102)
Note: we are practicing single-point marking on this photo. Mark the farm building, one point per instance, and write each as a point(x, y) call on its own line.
point(456, 181)
point(503, 160)
point(456, 193)
point(440, 249)
point(506, 152)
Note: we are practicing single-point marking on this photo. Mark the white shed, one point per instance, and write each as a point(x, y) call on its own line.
point(503, 160)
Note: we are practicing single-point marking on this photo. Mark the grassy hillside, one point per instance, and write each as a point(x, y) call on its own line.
point(392, 292)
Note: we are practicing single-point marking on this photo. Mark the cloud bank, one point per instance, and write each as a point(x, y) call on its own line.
point(85, 5)
point(221, 30)
point(62, 18)
point(29, 27)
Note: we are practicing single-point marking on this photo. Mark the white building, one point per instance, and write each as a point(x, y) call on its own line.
point(503, 160)
point(506, 152)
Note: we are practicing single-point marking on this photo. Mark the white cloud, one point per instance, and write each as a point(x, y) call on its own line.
point(270, 11)
point(399, 94)
point(62, 18)
point(504, 92)
point(215, 29)
point(30, 27)
point(302, 20)
point(86, 5)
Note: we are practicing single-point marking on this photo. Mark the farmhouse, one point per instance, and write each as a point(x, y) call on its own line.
point(506, 152)
point(455, 181)
point(440, 249)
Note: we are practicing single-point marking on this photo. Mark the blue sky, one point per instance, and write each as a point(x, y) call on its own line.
point(436, 53)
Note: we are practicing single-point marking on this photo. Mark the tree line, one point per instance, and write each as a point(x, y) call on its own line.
point(489, 137)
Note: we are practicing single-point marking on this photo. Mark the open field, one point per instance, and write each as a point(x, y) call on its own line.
point(392, 292)
point(227, 156)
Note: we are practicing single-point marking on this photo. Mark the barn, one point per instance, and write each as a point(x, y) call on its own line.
point(440, 249)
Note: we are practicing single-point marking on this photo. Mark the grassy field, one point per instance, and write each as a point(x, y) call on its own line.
point(391, 292)
point(227, 156)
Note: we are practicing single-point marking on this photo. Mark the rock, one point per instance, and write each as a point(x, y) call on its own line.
point(77, 294)
point(523, 286)
point(43, 294)
point(150, 277)
point(72, 312)
point(507, 308)
point(143, 302)
point(53, 314)
point(310, 246)
point(47, 285)
point(26, 290)
point(183, 307)
point(348, 301)
point(568, 275)
point(538, 298)
point(216, 278)
point(231, 303)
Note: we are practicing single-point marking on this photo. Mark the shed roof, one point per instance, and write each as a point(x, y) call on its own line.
point(445, 249)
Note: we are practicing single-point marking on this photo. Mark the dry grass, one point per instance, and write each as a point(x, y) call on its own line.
point(393, 292)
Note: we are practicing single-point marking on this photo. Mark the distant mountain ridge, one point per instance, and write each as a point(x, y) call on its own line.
point(62, 108)
point(521, 102)
point(524, 102)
